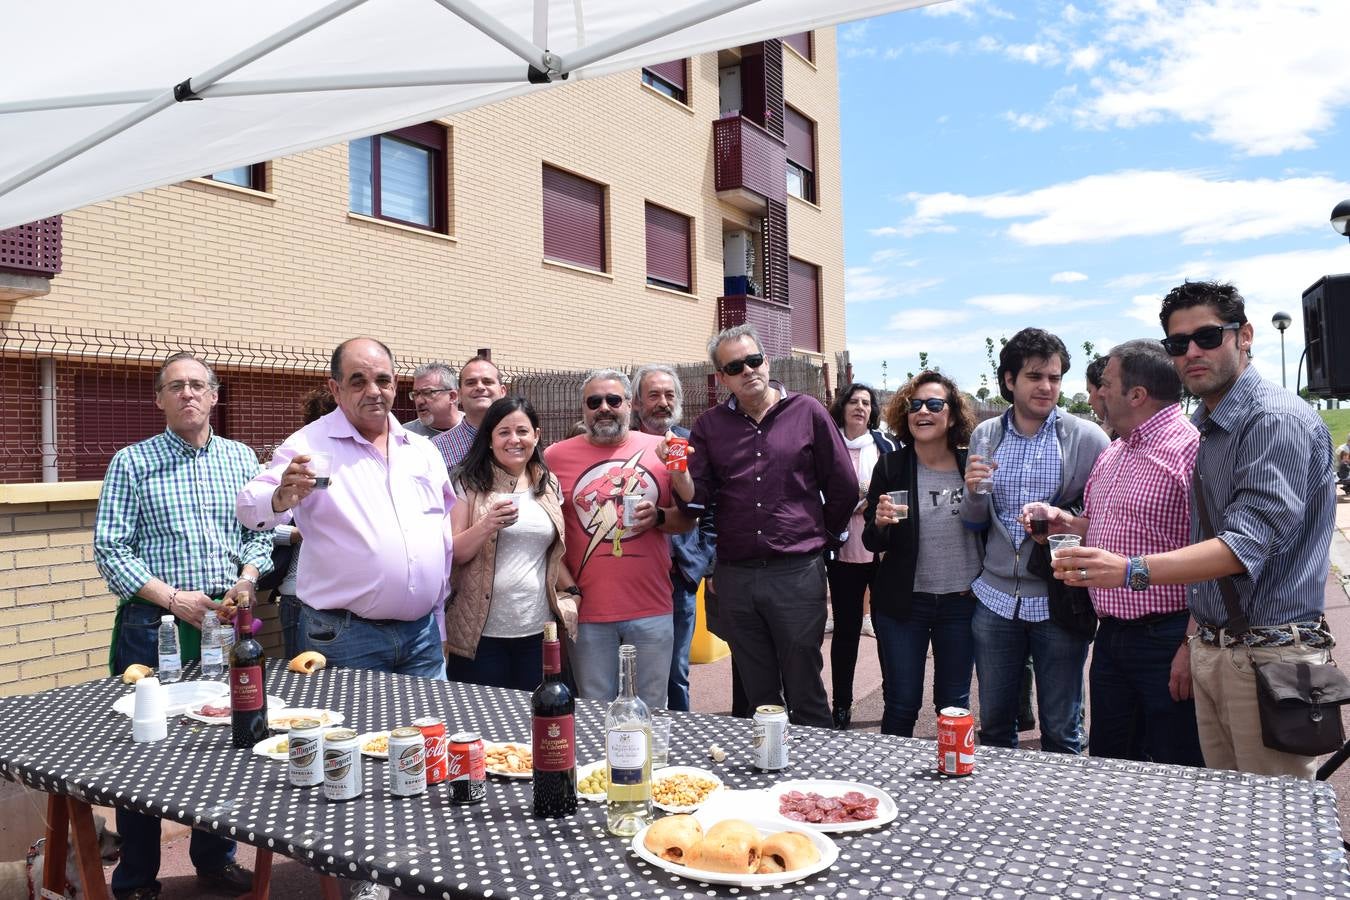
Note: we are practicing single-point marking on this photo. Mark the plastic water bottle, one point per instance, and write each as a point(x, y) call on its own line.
point(213, 659)
point(170, 660)
point(227, 636)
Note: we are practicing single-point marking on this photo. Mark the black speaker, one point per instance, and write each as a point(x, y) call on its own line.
point(1326, 333)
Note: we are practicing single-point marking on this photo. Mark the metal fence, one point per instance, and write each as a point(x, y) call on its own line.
point(73, 397)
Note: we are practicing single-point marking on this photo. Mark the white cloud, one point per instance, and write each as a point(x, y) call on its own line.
point(924, 319)
point(967, 9)
point(1026, 121)
point(863, 284)
point(1067, 277)
point(1085, 58)
point(1023, 304)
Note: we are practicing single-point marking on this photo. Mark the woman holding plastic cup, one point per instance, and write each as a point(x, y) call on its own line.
point(508, 578)
point(921, 591)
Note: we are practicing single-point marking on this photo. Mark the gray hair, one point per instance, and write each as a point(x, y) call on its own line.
point(446, 375)
point(730, 334)
point(1145, 364)
point(179, 357)
point(654, 368)
point(610, 375)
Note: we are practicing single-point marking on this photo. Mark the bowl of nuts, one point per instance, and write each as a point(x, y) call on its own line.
point(682, 789)
point(508, 759)
point(593, 781)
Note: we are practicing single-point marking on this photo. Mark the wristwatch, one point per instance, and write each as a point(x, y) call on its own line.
point(251, 579)
point(1137, 579)
point(573, 590)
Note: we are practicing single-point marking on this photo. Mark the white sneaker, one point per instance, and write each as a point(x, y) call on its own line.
point(829, 626)
point(369, 890)
point(867, 628)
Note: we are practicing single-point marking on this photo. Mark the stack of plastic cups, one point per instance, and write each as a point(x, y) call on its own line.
point(149, 721)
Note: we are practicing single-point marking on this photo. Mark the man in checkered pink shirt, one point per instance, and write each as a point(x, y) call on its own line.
point(1137, 503)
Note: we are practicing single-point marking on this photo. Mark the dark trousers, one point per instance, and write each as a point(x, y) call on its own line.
point(684, 608)
point(848, 587)
point(138, 642)
point(1131, 665)
point(501, 662)
point(942, 620)
point(774, 614)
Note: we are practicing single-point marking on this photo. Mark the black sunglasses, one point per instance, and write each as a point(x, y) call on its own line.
point(614, 401)
point(934, 404)
point(737, 366)
point(1206, 338)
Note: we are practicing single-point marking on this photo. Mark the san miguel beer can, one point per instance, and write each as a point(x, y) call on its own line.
point(341, 765)
point(305, 753)
point(956, 741)
point(466, 768)
point(433, 735)
point(770, 742)
point(407, 762)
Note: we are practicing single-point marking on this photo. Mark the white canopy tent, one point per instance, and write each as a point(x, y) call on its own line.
point(100, 100)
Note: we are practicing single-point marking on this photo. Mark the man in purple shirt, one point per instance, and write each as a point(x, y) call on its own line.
point(784, 487)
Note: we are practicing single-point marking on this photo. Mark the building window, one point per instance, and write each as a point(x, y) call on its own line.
point(804, 43)
point(669, 78)
point(401, 176)
point(668, 240)
point(801, 154)
point(253, 177)
point(574, 219)
point(804, 304)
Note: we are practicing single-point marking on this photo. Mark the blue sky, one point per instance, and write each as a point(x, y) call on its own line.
point(1032, 163)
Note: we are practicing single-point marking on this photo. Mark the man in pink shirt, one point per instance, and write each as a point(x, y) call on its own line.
point(375, 563)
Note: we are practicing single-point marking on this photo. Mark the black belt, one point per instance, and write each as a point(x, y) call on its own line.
point(1150, 619)
point(769, 562)
point(355, 618)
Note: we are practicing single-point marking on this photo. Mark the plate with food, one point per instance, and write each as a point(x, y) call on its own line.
point(283, 718)
point(508, 759)
point(593, 781)
point(275, 747)
point(217, 711)
point(742, 852)
point(682, 789)
point(374, 744)
point(178, 697)
point(832, 806)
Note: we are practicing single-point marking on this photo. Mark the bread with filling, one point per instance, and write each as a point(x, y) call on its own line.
point(675, 839)
point(731, 845)
point(308, 663)
point(786, 851)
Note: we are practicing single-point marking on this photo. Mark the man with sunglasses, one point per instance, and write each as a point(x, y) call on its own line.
point(436, 397)
point(1264, 475)
point(775, 466)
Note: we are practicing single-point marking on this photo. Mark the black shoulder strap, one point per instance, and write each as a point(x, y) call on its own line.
point(1237, 619)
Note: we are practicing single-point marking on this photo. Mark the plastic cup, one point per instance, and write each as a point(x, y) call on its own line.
point(1040, 521)
point(980, 448)
point(901, 501)
point(1061, 542)
point(661, 722)
point(149, 719)
point(321, 466)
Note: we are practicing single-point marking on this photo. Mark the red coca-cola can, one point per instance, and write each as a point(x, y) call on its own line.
point(433, 733)
point(677, 454)
point(467, 768)
point(956, 741)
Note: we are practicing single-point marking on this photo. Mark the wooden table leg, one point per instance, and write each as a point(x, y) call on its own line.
point(331, 887)
point(262, 875)
point(87, 856)
point(58, 827)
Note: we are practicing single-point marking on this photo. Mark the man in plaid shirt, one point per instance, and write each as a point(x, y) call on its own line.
point(1138, 502)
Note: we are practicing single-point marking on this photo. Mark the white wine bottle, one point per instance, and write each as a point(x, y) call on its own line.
point(628, 753)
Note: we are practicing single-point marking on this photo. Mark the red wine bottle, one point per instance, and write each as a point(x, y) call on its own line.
point(553, 743)
point(248, 698)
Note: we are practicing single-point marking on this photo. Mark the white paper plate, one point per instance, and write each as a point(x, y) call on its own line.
point(501, 773)
point(363, 739)
point(661, 774)
point(194, 713)
point(280, 719)
point(829, 852)
point(582, 772)
point(886, 809)
point(268, 747)
point(177, 697)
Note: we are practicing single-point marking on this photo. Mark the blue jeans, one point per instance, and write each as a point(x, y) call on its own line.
point(1000, 650)
point(1133, 713)
point(403, 648)
point(942, 620)
point(138, 642)
point(595, 658)
point(501, 662)
point(289, 614)
point(685, 597)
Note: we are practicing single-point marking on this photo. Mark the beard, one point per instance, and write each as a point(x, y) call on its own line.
point(608, 430)
point(659, 421)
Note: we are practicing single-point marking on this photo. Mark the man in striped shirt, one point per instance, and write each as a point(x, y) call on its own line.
point(1138, 502)
point(167, 541)
point(1264, 466)
point(480, 386)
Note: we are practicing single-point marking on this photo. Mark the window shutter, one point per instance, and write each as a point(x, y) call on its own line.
point(574, 220)
point(801, 139)
point(672, 72)
point(668, 246)
point(804, 302)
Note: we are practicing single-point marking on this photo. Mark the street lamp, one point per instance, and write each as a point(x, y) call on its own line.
point(1340, 218)
point(1282, 321)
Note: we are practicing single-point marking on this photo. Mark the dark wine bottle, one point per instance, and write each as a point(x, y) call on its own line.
point(248, 698)
point(553, 743)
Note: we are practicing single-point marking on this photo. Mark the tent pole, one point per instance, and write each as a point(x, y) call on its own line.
point(368, 81)
point(494, 29)
point(78, 101)
point(608, 47)
point(541, 23)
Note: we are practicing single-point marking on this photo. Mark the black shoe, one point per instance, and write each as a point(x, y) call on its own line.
point(842, 716)
point(140, 893)
point(234, 880)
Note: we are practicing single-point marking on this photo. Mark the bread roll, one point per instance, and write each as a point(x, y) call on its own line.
point(787, 851)
point(731, 846)
point(135, 672)
point(675, 839)
point(308, 663)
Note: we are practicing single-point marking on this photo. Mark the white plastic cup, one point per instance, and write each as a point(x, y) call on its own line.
point(149, 720)
point(900, 500)
point(661, 721)
point(321, 466)
point(1061, 542)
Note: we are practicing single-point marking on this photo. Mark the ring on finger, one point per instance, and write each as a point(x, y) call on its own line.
point(1082, 574)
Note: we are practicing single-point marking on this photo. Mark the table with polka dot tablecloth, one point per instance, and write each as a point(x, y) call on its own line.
point(1024, 825)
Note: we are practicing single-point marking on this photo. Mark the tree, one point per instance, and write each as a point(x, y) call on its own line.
point(923, 360)
point(1079, 404)
point(1089, 352)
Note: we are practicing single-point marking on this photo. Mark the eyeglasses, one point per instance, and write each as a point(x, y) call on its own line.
point(1206, 338)
point(934, 404)
point(737, 366)
point(613, 401)
point(196, 387)
point(414, 396)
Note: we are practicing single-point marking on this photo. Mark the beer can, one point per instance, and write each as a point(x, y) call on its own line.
point(305, 752)
point(433, 734)
point(407, 762)
point(956, 741)
point(341, 765)
point(466, 768)
point(630, 504)
point(770, 743)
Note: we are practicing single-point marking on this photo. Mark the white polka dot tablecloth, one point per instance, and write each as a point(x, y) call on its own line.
point(1024, 825)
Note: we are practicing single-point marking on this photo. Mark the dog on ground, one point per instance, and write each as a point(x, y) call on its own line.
point(22, 878)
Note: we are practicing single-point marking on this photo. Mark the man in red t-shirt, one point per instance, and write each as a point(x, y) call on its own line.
point(623, 572)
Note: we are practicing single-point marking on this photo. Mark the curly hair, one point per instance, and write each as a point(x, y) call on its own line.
point(841, 399)
point(1227, 302)
point(960, 417)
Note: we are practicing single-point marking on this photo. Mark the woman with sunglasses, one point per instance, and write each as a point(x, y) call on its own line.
point(855, 411)
point(508, 570)
point(921, 589)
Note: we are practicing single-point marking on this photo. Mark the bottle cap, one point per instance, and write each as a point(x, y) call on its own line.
point(166, 620)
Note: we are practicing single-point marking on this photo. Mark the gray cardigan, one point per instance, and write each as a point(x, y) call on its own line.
point(1005, 568)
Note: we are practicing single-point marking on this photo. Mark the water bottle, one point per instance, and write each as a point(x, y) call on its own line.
point(170, 660)
point(213, 659)
point(226, 633)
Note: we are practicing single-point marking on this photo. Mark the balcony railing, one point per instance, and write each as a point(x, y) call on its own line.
point(33, 249)
point(772, 320)
point(748, 158)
